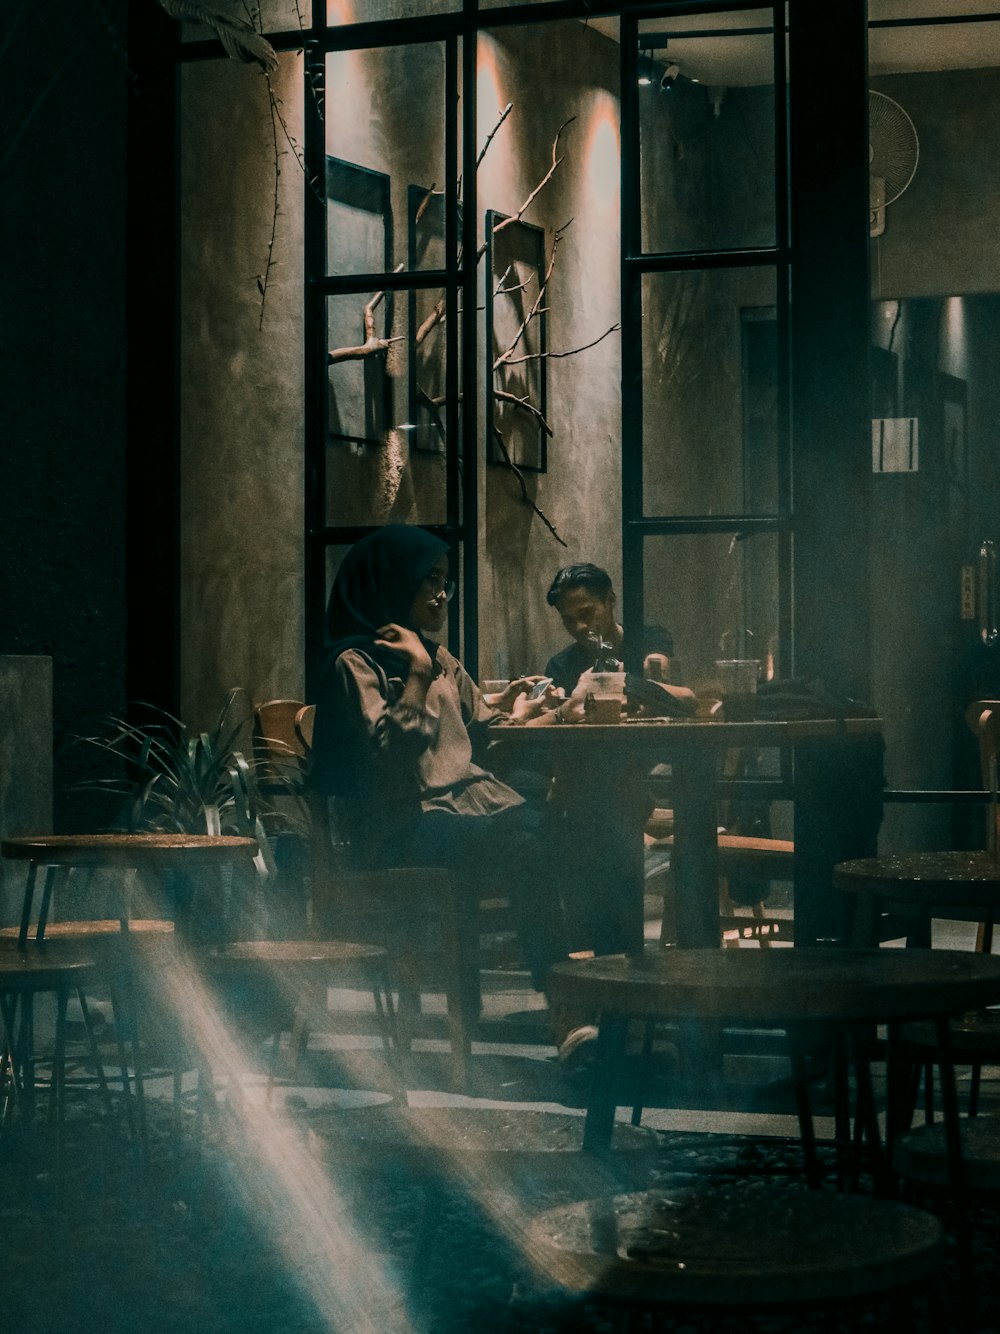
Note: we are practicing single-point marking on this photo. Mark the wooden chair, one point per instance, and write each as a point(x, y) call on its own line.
point(418, 914)
point(754, 858)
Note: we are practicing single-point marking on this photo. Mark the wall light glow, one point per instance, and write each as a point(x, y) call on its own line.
point(602, 157)
point(495, 173)
point(954, 343)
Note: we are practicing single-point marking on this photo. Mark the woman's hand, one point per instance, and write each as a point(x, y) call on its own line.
point(409, 643)
point(505, 699)
point(524, 708)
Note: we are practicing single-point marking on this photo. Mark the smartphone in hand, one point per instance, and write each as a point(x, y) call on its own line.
point(540, 687)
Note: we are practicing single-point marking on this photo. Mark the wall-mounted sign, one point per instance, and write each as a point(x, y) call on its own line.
point(895, 444)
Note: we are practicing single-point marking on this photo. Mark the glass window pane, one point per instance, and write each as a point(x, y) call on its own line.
point(385, 135)
point(710, 392)
point(386, 414)
point(706, 131)
point(936, 341)
point(717, 594)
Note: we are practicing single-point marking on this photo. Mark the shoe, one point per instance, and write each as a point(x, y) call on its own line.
point(578, 1051)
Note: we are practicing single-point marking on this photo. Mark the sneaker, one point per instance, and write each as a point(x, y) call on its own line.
point(578, 1050)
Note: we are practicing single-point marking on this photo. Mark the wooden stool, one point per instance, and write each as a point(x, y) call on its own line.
point(60, 968)
point(919, 882)
point(746, 1246)
point(290, 969)
point(60, 853)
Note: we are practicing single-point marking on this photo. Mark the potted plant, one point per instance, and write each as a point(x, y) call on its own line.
point(171, 779)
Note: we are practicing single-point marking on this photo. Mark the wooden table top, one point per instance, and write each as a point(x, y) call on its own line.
point(130, 850)
point(926, 878)
point(301, 952)
point(655, 733)
point(781, 986)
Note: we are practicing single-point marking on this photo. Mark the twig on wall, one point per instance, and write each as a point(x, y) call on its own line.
point(570, 352)
point(512, 466)
point(490, 137)
point(516, 217)
point(372, 343)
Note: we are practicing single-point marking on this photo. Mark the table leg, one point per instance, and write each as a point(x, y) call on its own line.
point(696, 852)
point(838, 810)
point(598, 1127)
point(803, 1107)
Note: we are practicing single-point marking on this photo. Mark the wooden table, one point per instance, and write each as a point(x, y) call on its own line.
point(592, 761)
point(60, 853)
point(785, 989)
point(925, 881)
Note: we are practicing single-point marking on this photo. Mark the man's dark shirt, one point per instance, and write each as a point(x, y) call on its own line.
point(568, 665)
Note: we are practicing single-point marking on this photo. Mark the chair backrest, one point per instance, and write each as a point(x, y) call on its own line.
point(304, 720)
point(280, 745)
point(983, 717)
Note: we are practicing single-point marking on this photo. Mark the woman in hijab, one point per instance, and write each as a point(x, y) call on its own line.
point(397, 724)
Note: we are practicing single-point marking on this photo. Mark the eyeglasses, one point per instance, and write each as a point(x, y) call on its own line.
point(439, 587)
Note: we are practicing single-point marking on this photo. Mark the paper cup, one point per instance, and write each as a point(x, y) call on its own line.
point(738, 682)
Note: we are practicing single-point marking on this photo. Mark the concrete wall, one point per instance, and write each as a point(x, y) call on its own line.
point(241, 390)
point(940, 236)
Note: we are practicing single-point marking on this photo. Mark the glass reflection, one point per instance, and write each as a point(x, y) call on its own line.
point(717, 594)
point(384, 114)
point(710, 393)
point(706, 132)
point(386, 415)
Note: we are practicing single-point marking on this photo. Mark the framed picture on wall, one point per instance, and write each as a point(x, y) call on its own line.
point(359, 240)
point(516, 381)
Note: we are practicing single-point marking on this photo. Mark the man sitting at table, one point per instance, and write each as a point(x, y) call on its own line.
point(584, 597)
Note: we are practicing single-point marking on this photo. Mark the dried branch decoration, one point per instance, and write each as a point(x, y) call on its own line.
point(372, 344)
point(240, 39)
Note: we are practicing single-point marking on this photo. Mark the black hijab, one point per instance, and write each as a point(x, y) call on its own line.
point(376, 583)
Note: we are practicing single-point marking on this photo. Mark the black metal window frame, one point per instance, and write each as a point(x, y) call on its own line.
point(458, 30)
point(637, 525)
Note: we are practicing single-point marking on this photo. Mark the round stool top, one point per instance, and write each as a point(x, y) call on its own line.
point(44, 966)
point(755, 1242)
point(296, 952)
point(130, 850)
point(971, 879)
point(780, 986)
point(96, 928)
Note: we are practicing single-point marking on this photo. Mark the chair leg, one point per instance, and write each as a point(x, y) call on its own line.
point(120, 1020)
point(803, 1108)
point(977, 1074)
point(10, 1078)
point(95, 1055)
